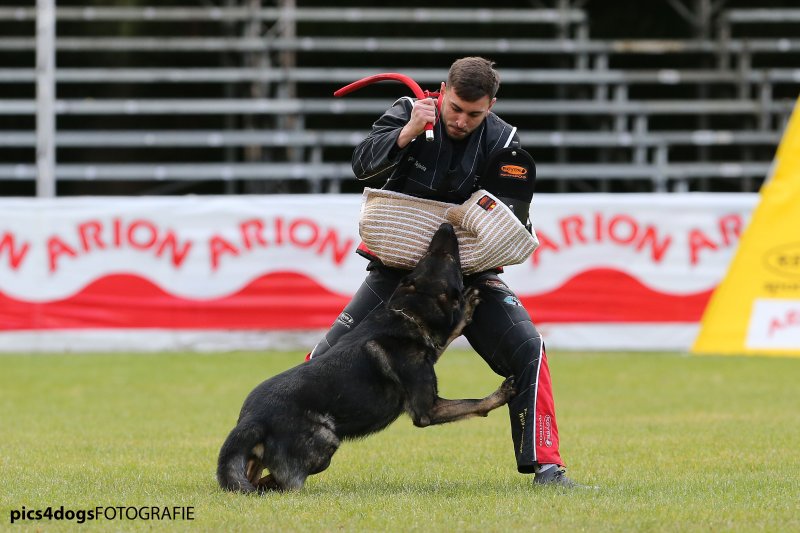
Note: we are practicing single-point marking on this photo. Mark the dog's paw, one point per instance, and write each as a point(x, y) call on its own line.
point(471, 301)
point(471, 296)
point(268, 484)
point(508, 388)
point(503, 394)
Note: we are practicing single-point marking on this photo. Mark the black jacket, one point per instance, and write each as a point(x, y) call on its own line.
point(428, 169)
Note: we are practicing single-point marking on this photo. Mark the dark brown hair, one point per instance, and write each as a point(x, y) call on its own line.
point(472, 78)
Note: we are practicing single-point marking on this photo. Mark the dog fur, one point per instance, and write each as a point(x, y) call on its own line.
point(292, 423)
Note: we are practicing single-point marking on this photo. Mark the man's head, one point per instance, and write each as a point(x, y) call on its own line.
point(469, 95)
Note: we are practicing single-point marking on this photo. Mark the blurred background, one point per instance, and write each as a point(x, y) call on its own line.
point(235, 96)
point(227, 204)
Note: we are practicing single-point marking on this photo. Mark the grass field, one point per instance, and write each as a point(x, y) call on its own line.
point(675, 443)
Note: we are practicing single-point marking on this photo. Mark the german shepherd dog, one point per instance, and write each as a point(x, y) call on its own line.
point(292, 423)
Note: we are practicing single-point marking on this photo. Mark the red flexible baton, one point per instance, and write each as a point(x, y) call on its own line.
point(393, 76)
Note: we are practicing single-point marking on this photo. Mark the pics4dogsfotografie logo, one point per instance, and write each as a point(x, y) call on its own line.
point(79, 516)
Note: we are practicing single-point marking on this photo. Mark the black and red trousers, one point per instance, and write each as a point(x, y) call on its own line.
point(503, 334)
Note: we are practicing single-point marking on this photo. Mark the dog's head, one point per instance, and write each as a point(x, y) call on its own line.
point(433, 293)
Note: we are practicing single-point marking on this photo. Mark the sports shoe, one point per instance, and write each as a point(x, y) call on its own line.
point(555, 477)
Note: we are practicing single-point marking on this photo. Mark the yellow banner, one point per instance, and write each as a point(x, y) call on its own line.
point(756, 308)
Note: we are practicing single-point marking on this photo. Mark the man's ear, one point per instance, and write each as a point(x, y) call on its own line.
point(442, 88)
point(492, 103)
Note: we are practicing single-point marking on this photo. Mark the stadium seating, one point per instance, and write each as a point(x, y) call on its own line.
point(233, 99)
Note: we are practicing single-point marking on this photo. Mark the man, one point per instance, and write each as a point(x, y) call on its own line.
point(466, 136)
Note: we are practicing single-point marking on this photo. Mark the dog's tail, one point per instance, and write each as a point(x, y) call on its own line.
point(242, 449)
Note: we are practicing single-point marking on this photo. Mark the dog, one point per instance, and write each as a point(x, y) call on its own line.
point(293, 423)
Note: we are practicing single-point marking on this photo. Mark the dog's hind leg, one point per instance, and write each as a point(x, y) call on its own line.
point(288, 474)
point(267, 483)
point(324, 445)
point(240, 459)
point(311, 453)
point(254, 466)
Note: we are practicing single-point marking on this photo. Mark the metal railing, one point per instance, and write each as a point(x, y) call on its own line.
point(587, 91)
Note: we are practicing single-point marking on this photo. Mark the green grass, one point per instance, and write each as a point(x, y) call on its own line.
point(675, 443)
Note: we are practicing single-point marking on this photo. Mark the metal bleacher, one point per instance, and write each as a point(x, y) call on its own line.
point(233, 99)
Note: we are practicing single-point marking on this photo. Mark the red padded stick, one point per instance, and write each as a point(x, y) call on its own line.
point(393, 76)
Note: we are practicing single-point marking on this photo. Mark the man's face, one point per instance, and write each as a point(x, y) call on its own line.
point(460, 117)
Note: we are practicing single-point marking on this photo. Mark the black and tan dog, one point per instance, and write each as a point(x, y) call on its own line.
point(292, 423)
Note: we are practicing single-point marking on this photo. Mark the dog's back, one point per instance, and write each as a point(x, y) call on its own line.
point(305, 411)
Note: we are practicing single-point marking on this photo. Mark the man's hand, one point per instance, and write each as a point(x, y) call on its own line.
point(424, 111)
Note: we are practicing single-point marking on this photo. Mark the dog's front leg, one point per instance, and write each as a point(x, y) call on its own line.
point(443, 411)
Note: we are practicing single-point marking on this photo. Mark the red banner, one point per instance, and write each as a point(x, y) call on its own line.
point(287, 262)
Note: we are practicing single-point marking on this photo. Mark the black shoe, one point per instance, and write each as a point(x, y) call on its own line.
point(556, 477)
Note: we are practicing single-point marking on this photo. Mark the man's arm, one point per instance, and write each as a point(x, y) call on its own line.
point(423, 113)
point(376, 156)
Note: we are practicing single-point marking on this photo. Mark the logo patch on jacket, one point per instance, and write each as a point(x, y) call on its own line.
point(495, 284)
point(346, 320)
point(517, 172)
point(417, 164)
point(487, 203)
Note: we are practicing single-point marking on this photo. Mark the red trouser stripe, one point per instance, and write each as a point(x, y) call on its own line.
point(545, 427)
